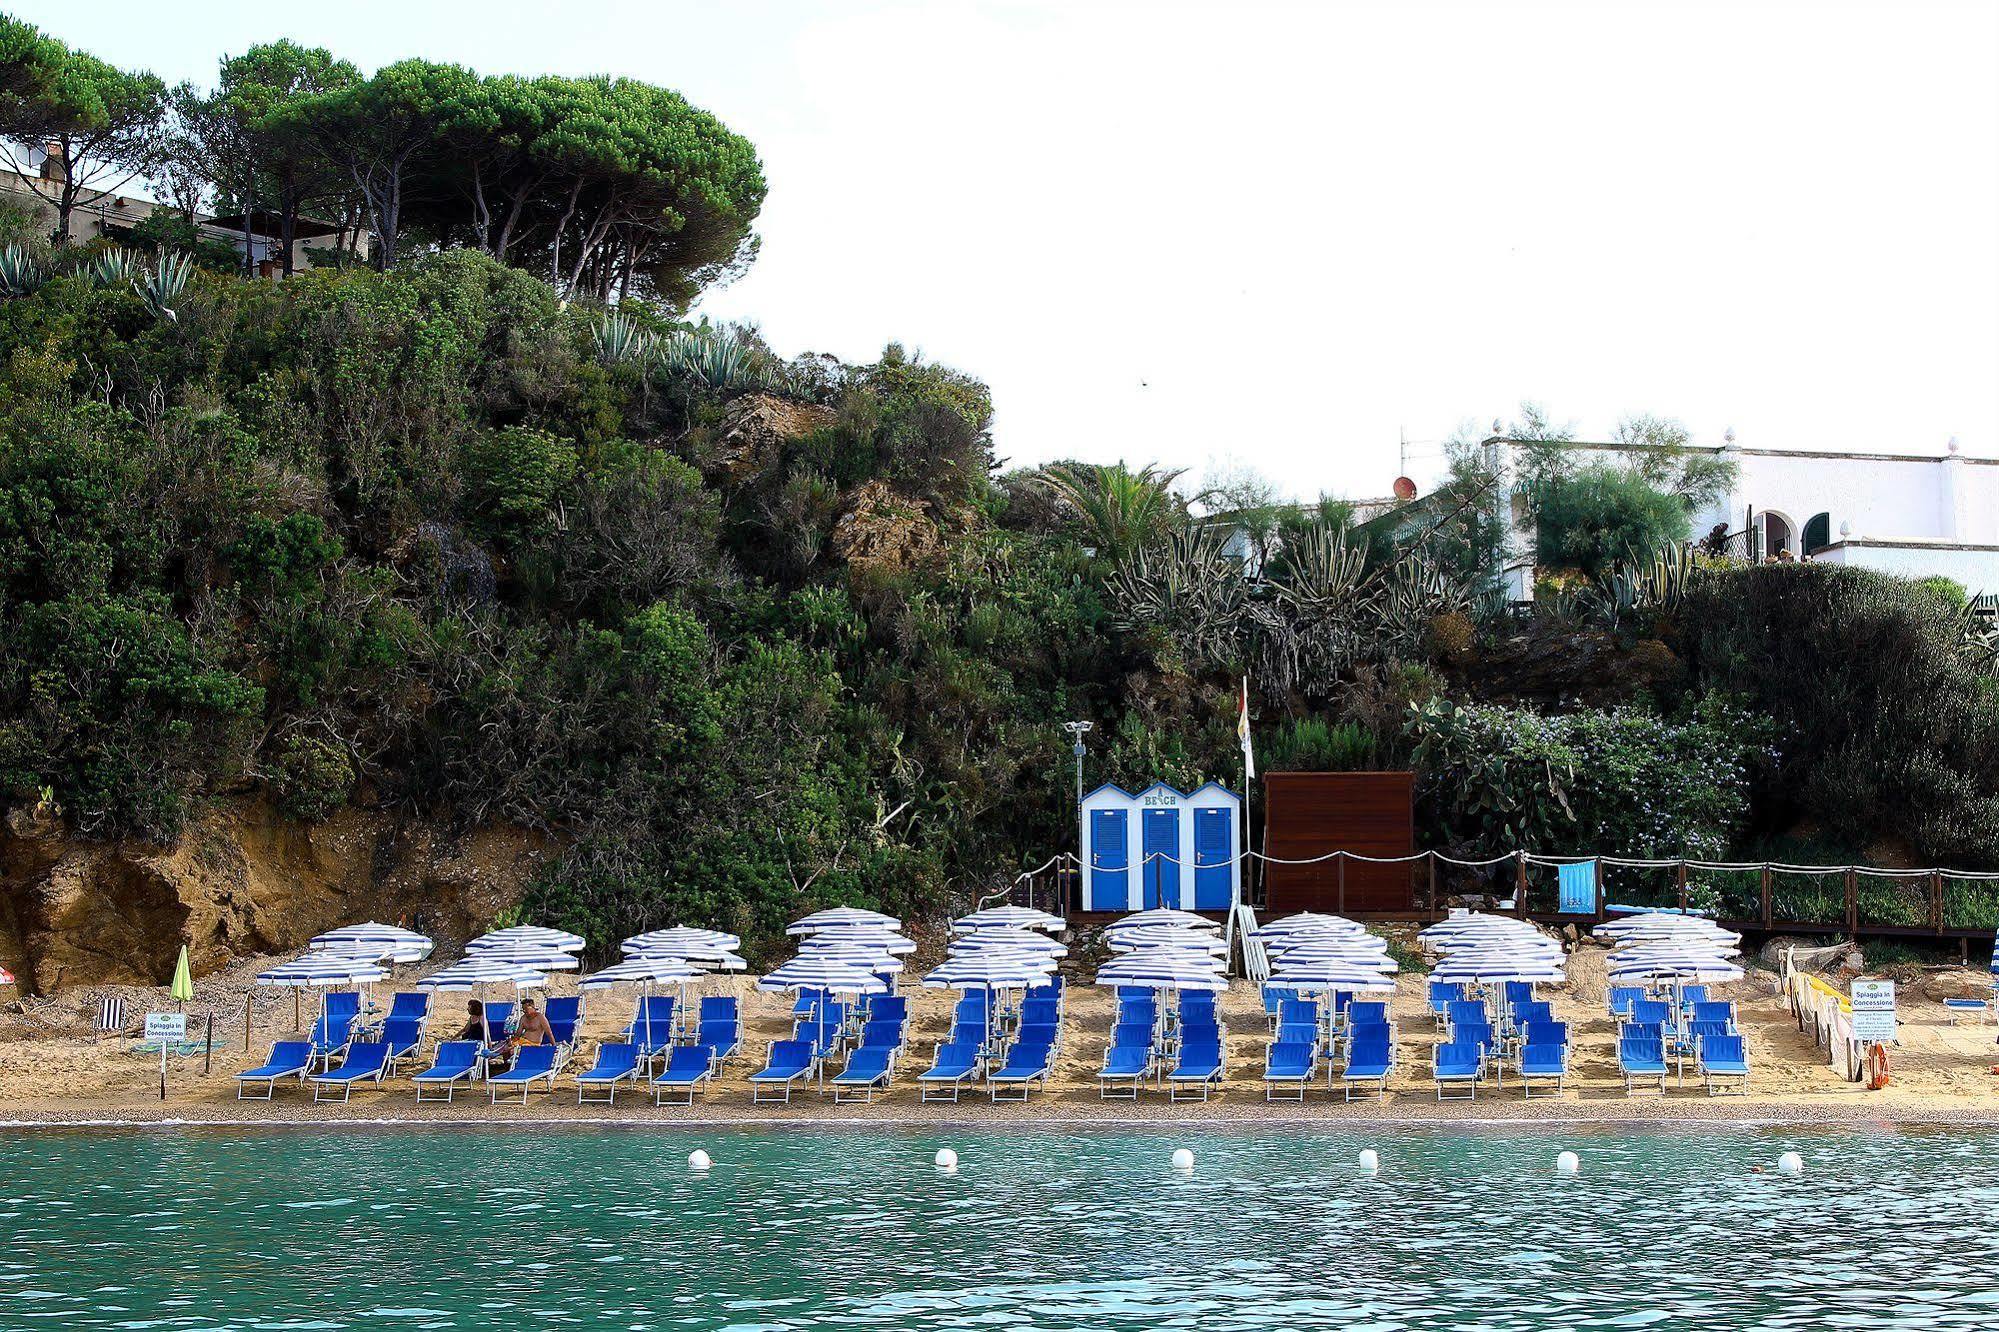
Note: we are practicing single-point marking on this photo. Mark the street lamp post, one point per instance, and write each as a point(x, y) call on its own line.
point(1077, 730)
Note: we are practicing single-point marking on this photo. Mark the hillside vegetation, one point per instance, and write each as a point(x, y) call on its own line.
point(740, 635)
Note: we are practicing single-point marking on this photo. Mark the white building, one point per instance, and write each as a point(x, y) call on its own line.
point(1916, 515)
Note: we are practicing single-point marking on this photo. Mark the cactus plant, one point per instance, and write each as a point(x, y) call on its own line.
point(161, 288)
point(22, 272)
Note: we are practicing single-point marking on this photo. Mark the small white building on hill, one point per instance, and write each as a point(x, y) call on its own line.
point(1911, 514)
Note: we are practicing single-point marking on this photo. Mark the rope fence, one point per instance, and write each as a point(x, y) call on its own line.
point(1771, 896)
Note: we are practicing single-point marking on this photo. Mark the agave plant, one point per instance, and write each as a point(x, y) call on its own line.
point(719, 360)
point(620, 340)
point(161, 288)
point(113, 268)
point(22, 273)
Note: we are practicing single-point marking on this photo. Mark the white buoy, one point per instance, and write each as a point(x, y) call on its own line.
point(946, 1159)
point(699, 1160)
point(1568, 1163)
point(1370, 1161)
point(1791, 1163)
point(1183, 1159)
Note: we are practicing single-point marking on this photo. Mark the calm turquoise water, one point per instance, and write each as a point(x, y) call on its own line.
point(1464, 1229)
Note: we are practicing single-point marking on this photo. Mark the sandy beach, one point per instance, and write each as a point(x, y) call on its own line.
point(53, 1071)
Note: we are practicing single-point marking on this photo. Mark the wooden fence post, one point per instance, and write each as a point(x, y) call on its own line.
point(1766, 895)
point(1340, 861)
point(1520, 882)
point(1681, 875)
point(1936, 899)
point(1596, 873)
point(1431, 856)
point(1852, 901)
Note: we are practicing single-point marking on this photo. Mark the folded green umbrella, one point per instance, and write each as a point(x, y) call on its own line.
point(183, 986)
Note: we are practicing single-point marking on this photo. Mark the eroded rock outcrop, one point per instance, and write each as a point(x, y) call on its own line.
point(755, 429)
point(242, 881)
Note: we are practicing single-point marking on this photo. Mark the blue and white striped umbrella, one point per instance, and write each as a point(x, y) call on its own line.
point(1330, 976)
point(1698, 969)
point(989, 971)
point(1164, 969)
point(1307, 922)
point(871, 960)
point(1651, 925)
point(473, 972)
point(1007, 918)
point(837, 916)
point(859, 936)
point(373, 939)
point(528, 955)
point(1186, 920)
point(1008, 941)
point(1473, 922)
point(650, 969)
point(683, 941)
point(539, 936)
point(1525, 945)
point(1358, 958)
point(321, 969)
point(1492, 969)
point(1164, 936)
point(812, 972)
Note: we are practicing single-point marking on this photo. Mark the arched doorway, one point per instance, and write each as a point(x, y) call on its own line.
point(1817, 535)
point(1777, 534)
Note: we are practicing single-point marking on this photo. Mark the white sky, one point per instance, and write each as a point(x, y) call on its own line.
point(1275, 235)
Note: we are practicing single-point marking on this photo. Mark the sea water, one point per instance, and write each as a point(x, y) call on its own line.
point(1274, 1227)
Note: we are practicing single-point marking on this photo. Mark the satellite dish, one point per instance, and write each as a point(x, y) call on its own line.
point(1405, 489)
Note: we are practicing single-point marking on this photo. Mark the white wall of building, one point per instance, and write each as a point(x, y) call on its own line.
point(1974, 568)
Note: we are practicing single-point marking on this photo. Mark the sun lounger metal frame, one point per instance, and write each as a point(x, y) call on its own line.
point(933, 1084)
point(295, 1071)
point(688, 1082)
point(1725, 1080)
point(513, 1077)
point(590, 1078)
point(341, 1078)
point(1124, 1084)
point(430, 1078)
point(1019, 1082)
point(1293, 1086)
point(764, 1076)
point(1183, 1086)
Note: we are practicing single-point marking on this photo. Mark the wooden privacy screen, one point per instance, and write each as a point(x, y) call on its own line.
point(1307, 814)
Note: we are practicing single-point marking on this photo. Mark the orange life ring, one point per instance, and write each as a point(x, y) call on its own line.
point(1877, 1067)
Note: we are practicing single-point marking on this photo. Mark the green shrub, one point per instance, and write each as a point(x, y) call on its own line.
point(1599, 516)
point(311, 777)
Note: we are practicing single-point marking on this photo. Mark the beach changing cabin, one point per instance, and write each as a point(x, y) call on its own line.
point(1161, 847)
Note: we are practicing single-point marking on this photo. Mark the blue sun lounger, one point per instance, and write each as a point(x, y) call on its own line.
point(1642, 1057)
point(289, 1059)
point(331, 1034)
point(1127, 1064)
point(954, 1064)
point(1370, 1059)
point(455, 1063)
point(366, 1061)
point(532, 1064)
point(790, 1062)
point(1198, 1072)
point(617, 1062)
point(1724, 1064)
point(866, 1073)
point(687, 1067)
point(1543, 1063)
point(722, 1036)
point(1287, 1067)
point(402, 1035)
point(1458, 1064)
point(1027, 1063)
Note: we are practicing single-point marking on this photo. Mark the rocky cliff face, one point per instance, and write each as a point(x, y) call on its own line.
point(243, 881)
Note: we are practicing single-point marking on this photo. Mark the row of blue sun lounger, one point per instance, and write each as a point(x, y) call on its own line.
point(1515, 1032)
point(1352, 1040)
point(1180, 1048)
point(1659, 1039)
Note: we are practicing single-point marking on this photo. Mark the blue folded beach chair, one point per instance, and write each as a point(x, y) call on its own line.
point(867, 1072)
point(1441, 995)
point(1458, 1063)
point(1039, 1033)
point(807, 1000)
point(1959, 1008)
point(499, 1014)
point(616, 1063)
point(888, 1035)
point(366, 1061)
point(1296, 1033)
point(719, 1008)
point(1642, 1057)
point(1027, 1063)
point(1724, 1012)
point(1050, 989)
point(402, 1035)
point(824, 1041)
point(1481, 1036)
point(1367, 1013)
point(409, 1004)
point(789, 1063)
point(1463, 1011)
point(1723, 1061)
point(687, 1068)
point(456, 1062)
point(532, 1064)
point(1691, 995)
point(1545, 1033)
point(953, 1065)
point(1529, 1011)
point(1543, 1063)
point(1199, 1070)
point(1651, 1012)
point(1126, 1066)
point(1622, 997)
point(289, 1059)
point(1040, 1012)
